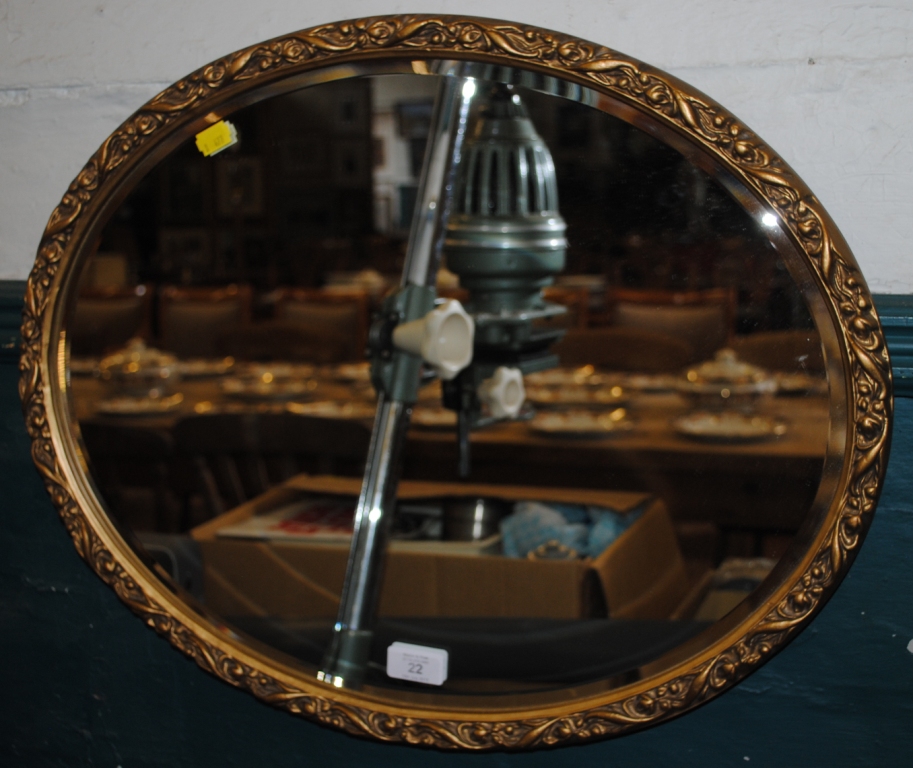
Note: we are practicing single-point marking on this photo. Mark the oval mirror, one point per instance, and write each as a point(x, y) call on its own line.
point(631, 468)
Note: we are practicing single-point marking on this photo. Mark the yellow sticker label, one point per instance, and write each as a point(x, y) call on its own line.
point(216, 138)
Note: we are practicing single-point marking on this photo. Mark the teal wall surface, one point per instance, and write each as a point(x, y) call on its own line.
point(86, 683)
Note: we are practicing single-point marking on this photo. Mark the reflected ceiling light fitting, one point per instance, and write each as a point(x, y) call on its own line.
point(505, 240)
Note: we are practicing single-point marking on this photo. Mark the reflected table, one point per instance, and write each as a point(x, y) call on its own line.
point(765, 485)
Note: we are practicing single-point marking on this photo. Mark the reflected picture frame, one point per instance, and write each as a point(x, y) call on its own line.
point(239, 187)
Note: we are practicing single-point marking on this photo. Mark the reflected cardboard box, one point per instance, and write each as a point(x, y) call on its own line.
point(642, 575)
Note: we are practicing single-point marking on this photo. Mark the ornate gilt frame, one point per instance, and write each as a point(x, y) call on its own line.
point(707, 126)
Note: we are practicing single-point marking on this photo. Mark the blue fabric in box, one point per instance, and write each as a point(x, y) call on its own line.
point(588, 530)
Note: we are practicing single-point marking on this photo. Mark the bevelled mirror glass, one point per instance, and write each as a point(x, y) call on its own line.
point(455, 382)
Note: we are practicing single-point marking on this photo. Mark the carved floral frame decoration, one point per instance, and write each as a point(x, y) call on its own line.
point(702, 122)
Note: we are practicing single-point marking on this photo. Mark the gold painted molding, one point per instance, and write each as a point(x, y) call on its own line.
point(658, 97)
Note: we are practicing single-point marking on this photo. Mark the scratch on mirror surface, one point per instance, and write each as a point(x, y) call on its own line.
point(13, 97)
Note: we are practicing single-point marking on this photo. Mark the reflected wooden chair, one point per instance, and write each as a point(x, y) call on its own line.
point(703, 319)
point(272, 340)
point(105, 319)
point(793, 350)
point(575, 300)
point(219, 460)
point(460, 294)
point(193, 319)
point(132, 467)
point(230, 458)
point(623, 349)
point(337, 321)
point(298, 443)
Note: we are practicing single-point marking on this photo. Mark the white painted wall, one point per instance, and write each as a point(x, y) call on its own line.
point(829, 85)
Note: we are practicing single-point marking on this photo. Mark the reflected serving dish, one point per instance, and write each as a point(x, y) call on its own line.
point(725, 383)
point(140, 370)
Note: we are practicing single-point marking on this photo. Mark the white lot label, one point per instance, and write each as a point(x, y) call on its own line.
point(417, 663)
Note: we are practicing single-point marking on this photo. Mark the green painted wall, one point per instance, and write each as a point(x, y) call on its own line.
point(85, 683)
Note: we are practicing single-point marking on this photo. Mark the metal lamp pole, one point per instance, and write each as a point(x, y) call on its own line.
point(396, 376)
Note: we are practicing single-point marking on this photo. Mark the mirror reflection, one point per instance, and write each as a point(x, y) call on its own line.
point(642, 488)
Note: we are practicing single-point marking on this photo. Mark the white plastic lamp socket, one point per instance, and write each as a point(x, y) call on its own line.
point(442, 338)
point(503, 393)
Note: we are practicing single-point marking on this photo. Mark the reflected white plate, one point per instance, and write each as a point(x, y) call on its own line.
point(581, 423)
point(352, 372)
point(139, 406)
point(728, 427)
point(652, 382)
point(606, 397)
point(275, 370)
point(435, 418)
point(195, 369)
point(259, 389)
point(557, 377)
point(331, 409)
point(800, 384)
